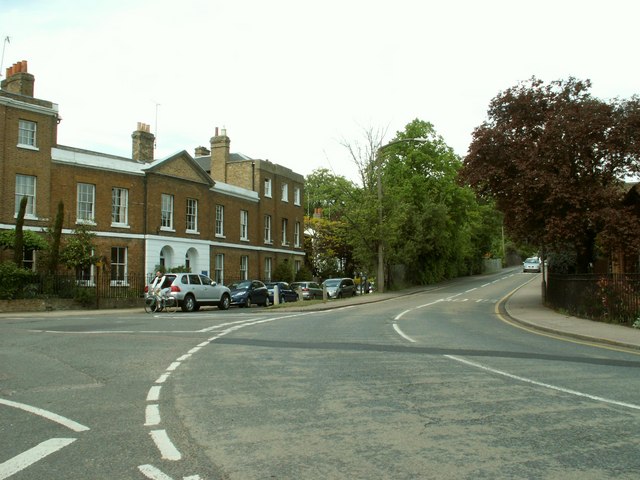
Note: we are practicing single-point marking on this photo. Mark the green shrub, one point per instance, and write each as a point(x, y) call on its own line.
point(14, 280)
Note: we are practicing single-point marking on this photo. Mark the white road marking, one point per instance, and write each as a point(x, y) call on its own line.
point(163, 378)
point(164, 444)
point(183, 357)
point(545, 385)
point(154, 394)
point(152, 415)
point(402, 334)
point(153, 473)
point(75, 426)
point(31, 456)
point(173, 366)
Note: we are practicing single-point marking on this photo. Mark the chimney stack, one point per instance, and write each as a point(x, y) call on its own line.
point(18, 80)
point(202, 152)
point(143, 144)
point(220, 144)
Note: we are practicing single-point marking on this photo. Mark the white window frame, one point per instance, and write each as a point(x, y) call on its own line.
point(220, 221)
point(86, 208)
point(27, 134)
point(268, 264)
point(166, 212)
point(29, 259)
point(219, 268)
point(268, 238)
point(119, 207)
point(244, 225)
point(244, 267)
point(267, 188)
point(285, 192)
point(285, 225)
point(26, 187)
point(297, 197)
point(81, 279)
point(296, 234)
point(119, 267)
point(192, 215)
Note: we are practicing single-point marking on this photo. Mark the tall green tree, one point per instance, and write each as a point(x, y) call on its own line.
point(427, 226)
point(553, 157)
point(56, 235)
point(18, 248)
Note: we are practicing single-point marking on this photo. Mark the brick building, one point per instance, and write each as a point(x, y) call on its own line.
point(217, 212)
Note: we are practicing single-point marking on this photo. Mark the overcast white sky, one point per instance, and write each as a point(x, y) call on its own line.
point(290, 79)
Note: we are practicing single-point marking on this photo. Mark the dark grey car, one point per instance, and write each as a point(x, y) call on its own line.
point(310, 290)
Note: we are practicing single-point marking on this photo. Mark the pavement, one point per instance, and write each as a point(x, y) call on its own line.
point(523, 306)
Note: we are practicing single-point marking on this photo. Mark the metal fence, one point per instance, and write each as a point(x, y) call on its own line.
point(97, 286)
point(611, 298)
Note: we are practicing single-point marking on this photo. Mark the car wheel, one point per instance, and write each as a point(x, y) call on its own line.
point(267, 302)
point(225, 301)
point(189, 304)
point(247, 302)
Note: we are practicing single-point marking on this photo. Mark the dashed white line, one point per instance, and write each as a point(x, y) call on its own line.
point(154, 394)
point(152, 415)
point(31, 456)
point(173, 366)
point(164, 444)
point(163, 378)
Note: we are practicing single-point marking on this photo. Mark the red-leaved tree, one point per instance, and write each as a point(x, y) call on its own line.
point(554, 159)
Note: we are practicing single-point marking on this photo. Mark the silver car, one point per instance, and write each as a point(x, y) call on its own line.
point(531, 264)
point(340, 287)
point(193, 290)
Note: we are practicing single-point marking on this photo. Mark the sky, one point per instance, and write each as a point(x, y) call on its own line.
point(293, 80)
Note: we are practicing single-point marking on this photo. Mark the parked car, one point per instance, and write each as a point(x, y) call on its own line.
point(247, 292)
point(531, 264)
point(192, 290)
point(286, 293)
point(310, 290)
point(340, 287)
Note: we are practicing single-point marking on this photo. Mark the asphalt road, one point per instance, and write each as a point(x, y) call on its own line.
point(433, 385)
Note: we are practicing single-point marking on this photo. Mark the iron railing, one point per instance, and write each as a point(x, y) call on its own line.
point(611, 298)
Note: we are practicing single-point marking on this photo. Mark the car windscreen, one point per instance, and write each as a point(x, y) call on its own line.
point(332, 283)
point(240, 285)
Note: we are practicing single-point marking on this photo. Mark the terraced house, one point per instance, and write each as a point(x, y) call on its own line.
point(224, 214)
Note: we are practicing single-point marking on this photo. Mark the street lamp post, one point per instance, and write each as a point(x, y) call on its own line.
point(380, 280)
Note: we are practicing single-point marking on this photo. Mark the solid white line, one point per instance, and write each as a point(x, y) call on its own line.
point(154, 394)
point(400, 315)
point(152, 415)
point(31, 456)
point(167, 449)
point(545, 385)
point(153, 473)
point(75, 426)
point(402, 334)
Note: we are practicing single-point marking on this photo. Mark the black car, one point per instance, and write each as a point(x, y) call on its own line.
point(247, 292)
point(285, 292)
